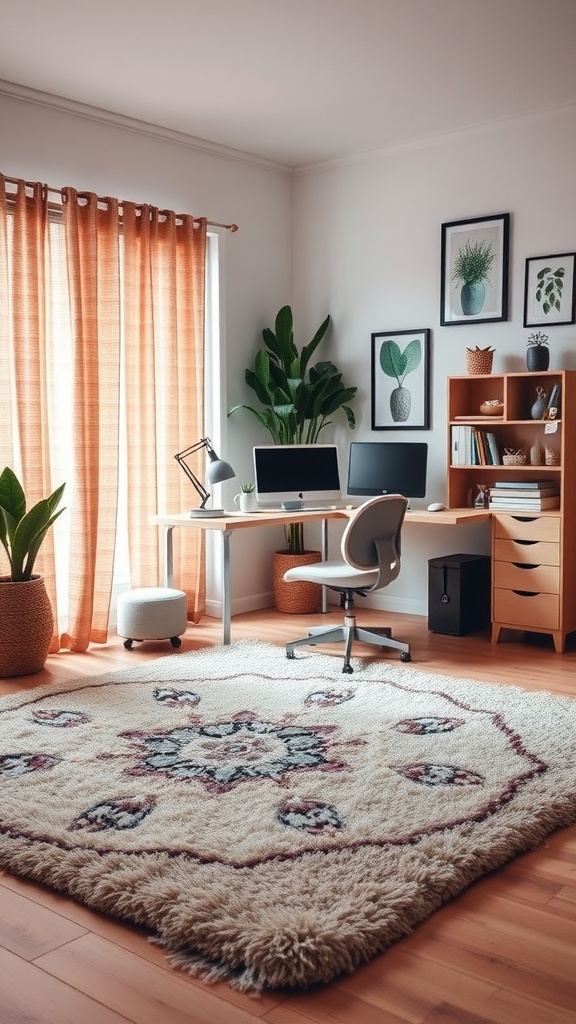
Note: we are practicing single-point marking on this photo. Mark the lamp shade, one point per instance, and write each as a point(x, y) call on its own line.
point(218, 470)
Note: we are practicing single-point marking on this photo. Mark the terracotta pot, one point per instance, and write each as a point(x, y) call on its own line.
point(299, 598)
point(26, 626)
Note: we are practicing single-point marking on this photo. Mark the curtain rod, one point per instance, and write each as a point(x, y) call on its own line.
point(59, 192)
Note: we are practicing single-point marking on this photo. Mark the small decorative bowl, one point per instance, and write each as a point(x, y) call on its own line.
point(493, 407)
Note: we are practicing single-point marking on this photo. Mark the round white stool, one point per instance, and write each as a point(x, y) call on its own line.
point(152, 613)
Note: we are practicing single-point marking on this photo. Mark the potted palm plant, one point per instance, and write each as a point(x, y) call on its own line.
point(26, 619)
point(297, 399)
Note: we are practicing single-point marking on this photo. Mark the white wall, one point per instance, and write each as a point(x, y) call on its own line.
point(367, 250)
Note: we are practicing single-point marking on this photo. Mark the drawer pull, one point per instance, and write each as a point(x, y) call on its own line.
point(514, 541)
point(525, 519)
point(525, 565)
point(526, 593)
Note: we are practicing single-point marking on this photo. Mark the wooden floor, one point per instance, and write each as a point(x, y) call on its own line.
point(504, 952)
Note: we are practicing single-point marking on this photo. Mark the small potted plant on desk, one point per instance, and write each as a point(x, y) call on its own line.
point(26, 619)
point(297, 402)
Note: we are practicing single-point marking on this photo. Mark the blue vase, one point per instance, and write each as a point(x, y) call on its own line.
point(539, 408)
point(472, 297)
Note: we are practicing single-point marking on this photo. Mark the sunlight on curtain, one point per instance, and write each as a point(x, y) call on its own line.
point(101, 382)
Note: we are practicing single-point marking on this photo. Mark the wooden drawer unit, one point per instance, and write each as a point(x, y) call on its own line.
point(526, 572)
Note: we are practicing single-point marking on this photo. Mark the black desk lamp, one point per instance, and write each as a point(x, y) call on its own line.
point(216, 472)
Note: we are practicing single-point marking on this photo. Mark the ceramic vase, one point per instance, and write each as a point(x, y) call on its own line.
point(537, 358)
point(539, 408)
point(536, 454)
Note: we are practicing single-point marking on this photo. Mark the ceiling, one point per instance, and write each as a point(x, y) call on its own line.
point(297, 81)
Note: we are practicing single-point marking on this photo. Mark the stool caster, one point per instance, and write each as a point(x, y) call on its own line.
point(175, 641)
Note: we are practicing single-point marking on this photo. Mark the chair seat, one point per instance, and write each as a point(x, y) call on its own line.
point(333, 574)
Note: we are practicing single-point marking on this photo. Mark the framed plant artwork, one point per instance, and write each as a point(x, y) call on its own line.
point(550, 290)
point(401, 380)
point(474, 270)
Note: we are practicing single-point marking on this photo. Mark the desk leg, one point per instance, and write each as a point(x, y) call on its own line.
point(226, 586)
point(168, 558)
point(324, 550)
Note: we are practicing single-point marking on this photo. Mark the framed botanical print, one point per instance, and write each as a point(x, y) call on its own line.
point(474, 270)
point(549, 290)
point(401, 379)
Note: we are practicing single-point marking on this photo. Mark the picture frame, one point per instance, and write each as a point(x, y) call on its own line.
point(400, 379)
point(550, 290)
point(474, 270)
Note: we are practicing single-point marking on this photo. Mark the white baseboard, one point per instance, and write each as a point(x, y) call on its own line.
point(403, 605)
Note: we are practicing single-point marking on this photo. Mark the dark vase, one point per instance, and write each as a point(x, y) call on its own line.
point(537, 358)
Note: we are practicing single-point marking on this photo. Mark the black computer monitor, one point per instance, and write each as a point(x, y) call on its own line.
point(387, 467)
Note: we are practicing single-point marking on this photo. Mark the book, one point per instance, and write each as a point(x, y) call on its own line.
point(516, 492)
point(525, 485)
point(493, 449)
point(527, 504)
point(552, 411)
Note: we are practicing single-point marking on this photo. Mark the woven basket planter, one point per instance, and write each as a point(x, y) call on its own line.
point(26, 626)
point(299, 598)
point(478, 361)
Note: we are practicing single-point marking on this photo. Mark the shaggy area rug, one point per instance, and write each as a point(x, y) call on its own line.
point(271, 821)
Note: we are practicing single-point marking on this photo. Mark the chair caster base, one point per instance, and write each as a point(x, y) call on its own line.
point(347, 669)
point(405, 656)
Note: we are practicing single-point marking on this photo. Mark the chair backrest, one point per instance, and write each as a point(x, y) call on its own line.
point(371, 539)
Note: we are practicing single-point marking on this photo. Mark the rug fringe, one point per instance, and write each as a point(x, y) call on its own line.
point(211, 971)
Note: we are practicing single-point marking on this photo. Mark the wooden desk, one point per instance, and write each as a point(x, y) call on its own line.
point(228, 523)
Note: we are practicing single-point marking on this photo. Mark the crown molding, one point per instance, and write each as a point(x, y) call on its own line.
point(425, 141)
point(108, 117)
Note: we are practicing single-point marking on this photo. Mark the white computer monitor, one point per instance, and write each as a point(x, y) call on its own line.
point(286, 473)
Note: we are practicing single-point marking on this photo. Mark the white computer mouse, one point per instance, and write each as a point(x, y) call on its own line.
point(436, 506)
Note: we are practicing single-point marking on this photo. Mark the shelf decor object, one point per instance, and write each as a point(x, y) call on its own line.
point(550, 290)
point(479, 360)
point(539, 408)
point(474, 270)
point(514, 458)
point(537, 352)
point(493, 407)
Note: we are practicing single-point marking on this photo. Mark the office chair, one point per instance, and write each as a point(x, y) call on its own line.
point(370, 560)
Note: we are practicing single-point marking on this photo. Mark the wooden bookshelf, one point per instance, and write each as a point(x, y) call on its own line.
point(533, 553)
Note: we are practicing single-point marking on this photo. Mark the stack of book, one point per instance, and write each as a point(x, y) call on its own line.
point(532, 495)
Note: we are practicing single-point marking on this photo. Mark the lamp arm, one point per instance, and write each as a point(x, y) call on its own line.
point(204, 443)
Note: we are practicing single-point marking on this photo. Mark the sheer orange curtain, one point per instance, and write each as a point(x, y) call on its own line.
point(135, 282)
point(163, 277)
